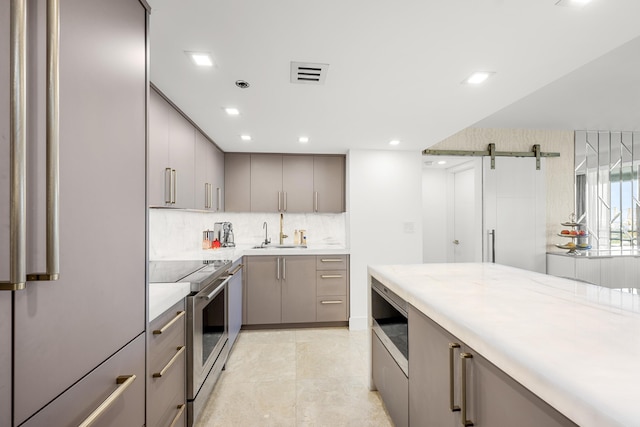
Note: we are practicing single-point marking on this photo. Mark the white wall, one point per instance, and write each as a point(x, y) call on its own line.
point(384, 201)
point(434, 220)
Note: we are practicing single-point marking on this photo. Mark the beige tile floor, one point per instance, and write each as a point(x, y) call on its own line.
point(301, 378)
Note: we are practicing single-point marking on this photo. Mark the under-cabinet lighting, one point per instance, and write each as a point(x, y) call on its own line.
point(478, 77)
point(303, 139)
point(232, 111)
point(245, 137)
point(201, 59)
point(394, 142)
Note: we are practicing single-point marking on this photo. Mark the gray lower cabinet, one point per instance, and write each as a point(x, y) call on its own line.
point(281, 289)
point(296, 289)
point(235, 287)
point(166, 376)
point(120, 379)
point(391, 382)
point(493, 398)
point(73, 337)
point(5, 358)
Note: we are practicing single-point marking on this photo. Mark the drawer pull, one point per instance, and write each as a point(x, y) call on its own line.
point(235, 270)
point(331, 276)
point(463, 361)
point(452, 405)
point(178, 415)
point(331, 302)
point(179, 351)
point(168, 325)
point(331, 260)
point(123, 381)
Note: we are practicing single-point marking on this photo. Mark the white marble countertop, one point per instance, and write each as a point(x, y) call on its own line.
point(162, 296)
point(573, 344)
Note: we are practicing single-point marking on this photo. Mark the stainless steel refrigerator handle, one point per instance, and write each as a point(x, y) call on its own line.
point(17, 148)
point(53, 143)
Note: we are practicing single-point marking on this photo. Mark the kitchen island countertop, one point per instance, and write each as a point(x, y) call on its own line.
point(571, 343)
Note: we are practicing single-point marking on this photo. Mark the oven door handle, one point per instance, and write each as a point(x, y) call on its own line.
point(217, 289)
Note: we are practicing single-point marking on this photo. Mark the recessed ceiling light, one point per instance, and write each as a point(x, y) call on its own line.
point(572, 3)
point(201, 59)
point(232, 111)
point(303, 139)
point(478, 77)
point(442, 162)
point(245, 137)
point(394, 142)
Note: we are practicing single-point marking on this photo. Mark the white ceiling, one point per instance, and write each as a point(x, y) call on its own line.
point(395, 68)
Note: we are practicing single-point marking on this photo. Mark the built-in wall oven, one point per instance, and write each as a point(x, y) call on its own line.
point(207, 323)
point(390, 323)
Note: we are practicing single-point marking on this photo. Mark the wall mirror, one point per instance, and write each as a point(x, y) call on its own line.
point(606, 182)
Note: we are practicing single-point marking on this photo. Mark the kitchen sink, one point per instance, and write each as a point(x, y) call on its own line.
point(280, 247)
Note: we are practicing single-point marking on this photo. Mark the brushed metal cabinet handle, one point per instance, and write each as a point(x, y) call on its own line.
point(178, 415)
point(174, 186)
point(331, 302)
point(18, 146)
point(463, 361)
point(167, 185)
point(279, 201)
point(278, 268)
point(452, 406)
point(179, 351)
point(285, 201)
point(284, 269)
point(123, 382)
point(331, 260)
point(177, 317)
point(235, 270)
point(219, 197)
point(206, 195)
point(331, 276)
point(315, 201)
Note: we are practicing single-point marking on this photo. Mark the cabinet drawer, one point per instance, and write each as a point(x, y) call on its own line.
point(331, 282)
point(331, 262)
point(167, 392)
point(76, 404)
point(331, 309)
point(173, 416)
point(166, 332)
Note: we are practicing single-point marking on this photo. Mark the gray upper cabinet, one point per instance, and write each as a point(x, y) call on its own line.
point(328, 184)
point(237, 182)
point(266, 183)
point(297, 184)
point(66, 331)
point(172, 142)
point(209, 175)
point(284, 183)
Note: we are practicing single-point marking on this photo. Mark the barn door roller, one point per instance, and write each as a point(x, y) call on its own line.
point(491, 152)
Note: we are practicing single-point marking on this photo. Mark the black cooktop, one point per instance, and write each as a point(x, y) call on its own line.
point(178, 271)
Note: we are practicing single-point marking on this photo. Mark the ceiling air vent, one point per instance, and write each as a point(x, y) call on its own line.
point(308, 73)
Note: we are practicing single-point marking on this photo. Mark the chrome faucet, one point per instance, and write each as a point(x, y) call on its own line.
point(282, 235)
point(267, 240)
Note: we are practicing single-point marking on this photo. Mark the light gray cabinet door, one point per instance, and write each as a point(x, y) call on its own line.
point(298, 289)
point(204, 161)
point(5, 357)
point(391, 383)
point(81, 400)
point(182, 140)
point(216, 176)
point(237, 182)
point(329, 183)
point(63, 330)
point(266, 183)
point(297, 183)
point(263, 290)
point(159, 187)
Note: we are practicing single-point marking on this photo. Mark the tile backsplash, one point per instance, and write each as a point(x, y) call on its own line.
point(172, 231)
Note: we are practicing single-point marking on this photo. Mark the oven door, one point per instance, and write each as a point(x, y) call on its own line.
point(208, 332)
point(390, 323)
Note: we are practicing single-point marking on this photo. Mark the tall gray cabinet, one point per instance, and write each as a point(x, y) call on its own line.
point(78, 340)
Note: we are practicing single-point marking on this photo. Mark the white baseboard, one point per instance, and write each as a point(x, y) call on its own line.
point(358, 323)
